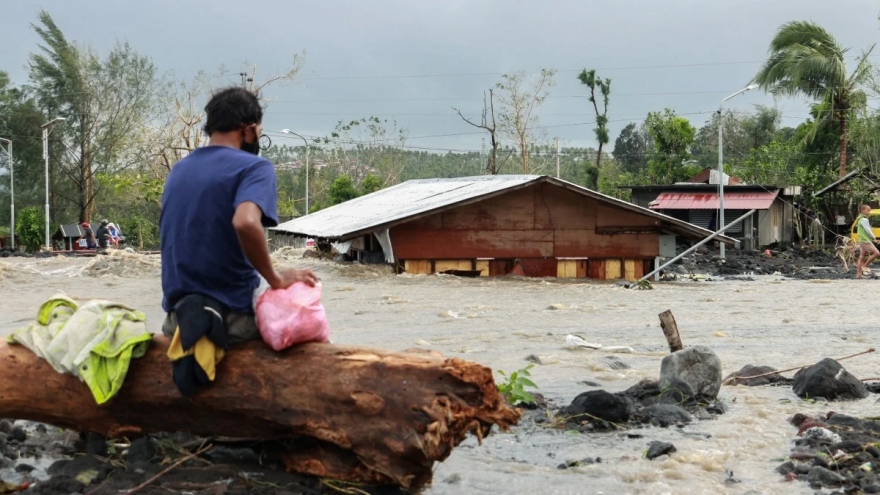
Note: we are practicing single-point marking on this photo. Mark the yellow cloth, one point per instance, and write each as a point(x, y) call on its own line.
point(206, 353)
point(95, 342)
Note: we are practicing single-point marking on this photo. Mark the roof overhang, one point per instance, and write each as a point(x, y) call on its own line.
point(739, 200)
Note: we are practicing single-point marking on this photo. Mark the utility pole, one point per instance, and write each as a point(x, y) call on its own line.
point(11, 193)
point(557, 158)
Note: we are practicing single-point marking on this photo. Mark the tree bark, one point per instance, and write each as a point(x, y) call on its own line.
point(348, 413)
point(670, 330)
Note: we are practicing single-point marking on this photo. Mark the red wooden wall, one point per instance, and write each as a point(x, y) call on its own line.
point(541, 221)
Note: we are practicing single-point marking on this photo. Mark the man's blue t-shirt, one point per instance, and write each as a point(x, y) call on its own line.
point(200, 249)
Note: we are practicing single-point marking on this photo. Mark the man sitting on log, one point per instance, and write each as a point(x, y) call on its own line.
point(215, 205)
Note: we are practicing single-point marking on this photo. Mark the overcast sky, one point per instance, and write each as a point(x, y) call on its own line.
point(412, 60)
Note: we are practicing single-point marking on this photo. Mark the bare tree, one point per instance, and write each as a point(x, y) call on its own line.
point(180, 130)
point(488, 114)
point(518, 120)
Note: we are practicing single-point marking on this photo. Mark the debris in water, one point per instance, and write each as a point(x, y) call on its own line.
point(576, 341)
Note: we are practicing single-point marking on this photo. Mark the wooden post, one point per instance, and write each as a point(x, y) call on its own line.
point(670, 330)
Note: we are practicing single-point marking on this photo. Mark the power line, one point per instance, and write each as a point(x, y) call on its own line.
point(479, 74)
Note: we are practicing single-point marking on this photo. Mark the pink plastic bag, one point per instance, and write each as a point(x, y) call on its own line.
point(292, 316)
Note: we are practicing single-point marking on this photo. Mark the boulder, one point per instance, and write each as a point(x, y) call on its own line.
point(600, 404)
point(752, 370)
point(664, 415)
point(829, 380)
point(825, 477)
point(656, 449)
point(677, 391)
point(697, 366)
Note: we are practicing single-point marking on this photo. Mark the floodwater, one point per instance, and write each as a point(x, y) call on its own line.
point(498, 322)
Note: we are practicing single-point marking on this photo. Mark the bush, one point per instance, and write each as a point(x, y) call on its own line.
point(30, 228)
point(140, 232)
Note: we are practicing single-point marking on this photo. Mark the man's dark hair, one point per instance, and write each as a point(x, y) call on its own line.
point(231, 108)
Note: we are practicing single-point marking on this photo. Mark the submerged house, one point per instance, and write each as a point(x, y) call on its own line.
point(696, 202)
point(494, 225)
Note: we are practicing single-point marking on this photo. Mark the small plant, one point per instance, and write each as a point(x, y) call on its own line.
point(513, 389)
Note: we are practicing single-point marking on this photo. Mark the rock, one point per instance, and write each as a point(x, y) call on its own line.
point(60, 485)
point(871, 489)
point(664, 415)
point(829, 380)
point(697, 366)
point(614, 363)
point(92, 444)
point(5, 426)
point(645, 392)
point(717, 408)
point(752, 370)
point(677, 391)
point(235, 456)
point(825, 477)
point(590, 383)
point(24, 468)
point(17, 434)
point(141, 450)
point(785, 468)
point(542, 360)
point(656, 449)
point(8, 451)
point(600, 404)
point(556, 307)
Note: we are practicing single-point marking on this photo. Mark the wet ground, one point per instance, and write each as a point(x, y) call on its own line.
point(759, 318)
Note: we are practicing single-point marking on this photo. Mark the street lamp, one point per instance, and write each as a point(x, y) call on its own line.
point(306, 142)
point(11, 193)
point(46, 127)
point(721, 223)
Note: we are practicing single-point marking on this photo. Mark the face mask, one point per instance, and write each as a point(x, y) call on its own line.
point(251, 147)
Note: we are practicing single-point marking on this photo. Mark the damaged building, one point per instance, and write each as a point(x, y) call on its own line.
point(495, 225)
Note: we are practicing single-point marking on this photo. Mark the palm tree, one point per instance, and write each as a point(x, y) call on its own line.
point(806, 60)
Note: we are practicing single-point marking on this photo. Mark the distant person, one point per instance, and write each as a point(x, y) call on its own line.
point(103, 235)
point(867, 250)
point(115, 234)
point(88, 236)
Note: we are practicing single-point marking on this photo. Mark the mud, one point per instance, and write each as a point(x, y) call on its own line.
point(773, 320)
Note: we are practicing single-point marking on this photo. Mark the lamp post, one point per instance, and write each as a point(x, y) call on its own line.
point(721, 161)
point(306, 142)
point(46, 127)
point(11, 193)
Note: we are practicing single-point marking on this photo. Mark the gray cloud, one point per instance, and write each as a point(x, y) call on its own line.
point(683, 54)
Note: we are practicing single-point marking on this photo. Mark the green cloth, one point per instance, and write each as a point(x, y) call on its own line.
point(864, 235)
point(95, 341)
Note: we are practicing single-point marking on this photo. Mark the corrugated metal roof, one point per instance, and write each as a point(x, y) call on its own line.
point(403, 202)
point(709, 201)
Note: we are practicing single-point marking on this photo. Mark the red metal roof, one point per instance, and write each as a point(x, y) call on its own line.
point(709, 201)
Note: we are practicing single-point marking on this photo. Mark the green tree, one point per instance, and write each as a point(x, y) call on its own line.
point(371, 184)
point(672, 136)
point(631, 147)
point(341, 190)
point(806, 60)
point(588, 78)
point(20, 119)
point(31, 228)
point(108, 105)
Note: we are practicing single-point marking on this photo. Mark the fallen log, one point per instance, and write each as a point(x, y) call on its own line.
point(353, 414)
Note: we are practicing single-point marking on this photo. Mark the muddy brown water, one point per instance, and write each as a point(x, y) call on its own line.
point(498, 322)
